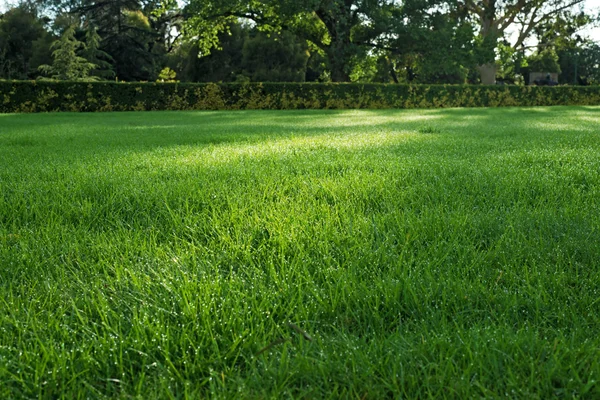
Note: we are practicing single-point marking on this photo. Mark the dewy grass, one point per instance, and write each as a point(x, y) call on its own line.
point(433, 253)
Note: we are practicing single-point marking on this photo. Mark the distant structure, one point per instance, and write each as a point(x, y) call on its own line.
point(543, 78)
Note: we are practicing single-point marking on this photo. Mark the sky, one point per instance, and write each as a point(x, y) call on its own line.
point(590, 5)
point(594, 6)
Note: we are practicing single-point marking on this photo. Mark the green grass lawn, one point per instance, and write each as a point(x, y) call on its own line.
point(425, 253)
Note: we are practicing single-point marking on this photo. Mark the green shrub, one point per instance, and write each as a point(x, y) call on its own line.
point(43, 96)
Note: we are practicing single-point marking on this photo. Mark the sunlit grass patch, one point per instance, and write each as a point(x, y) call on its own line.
point(290, 147)
point(425, 253)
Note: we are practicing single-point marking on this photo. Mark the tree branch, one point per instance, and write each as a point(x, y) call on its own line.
point(556, 11)
point(472, 6)
point(172, 44)
point(527, 27)
point(509, 17)
point(393, 50)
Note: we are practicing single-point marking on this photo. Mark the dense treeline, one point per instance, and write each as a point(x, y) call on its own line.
point(367, 41)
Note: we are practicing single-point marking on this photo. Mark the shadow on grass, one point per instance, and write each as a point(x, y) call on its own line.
point(85, 134)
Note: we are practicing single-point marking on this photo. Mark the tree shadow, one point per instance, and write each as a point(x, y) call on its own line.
point(86, 134)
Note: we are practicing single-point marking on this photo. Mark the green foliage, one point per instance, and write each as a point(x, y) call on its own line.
point(342, 29)
point(316, 66)
point(374, 68)
point(424, 45)
point(67, 65)
point(127, 36)
point(445, 53)
point(247, 54)
point(526, 17)
point(220, 65)
point(510, 63)
point(24, 43)
point(588, 64)
point(167, 75)
point(485, 48)
point(580, 65)
point(382, 41)
point(545, 60)
point(562, 31)
point(278, 57)
point(95, 55)
point(112, 96)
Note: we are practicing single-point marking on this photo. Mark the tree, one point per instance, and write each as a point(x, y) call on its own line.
point(588, 71)
point(95, 55)
point(127, 36)
point(427, 41)
point(246, 54)
point(67, 64)
point(511, 63)
point(561, 36)
point(167, 75)
point(495, 17)
point(275, 58)
point(24, 43)
point(221, 65)
point(435, 42)
point(344, 28)
point(580, 65)
point(339, 28)
point(545, 60)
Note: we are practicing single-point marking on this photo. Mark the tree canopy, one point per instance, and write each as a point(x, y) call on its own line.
point(391, 41)
point(67, 64)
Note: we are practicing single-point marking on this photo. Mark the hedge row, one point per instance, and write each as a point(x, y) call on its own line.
point(40, 96)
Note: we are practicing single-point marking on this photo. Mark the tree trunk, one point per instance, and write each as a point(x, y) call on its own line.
point(490, 34)
point(392, 66)
point(488, 73)
point(337, 67)
point(339, 53)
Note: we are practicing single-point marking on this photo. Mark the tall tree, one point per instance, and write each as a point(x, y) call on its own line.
point(275, 58)
point(221, 65)
point(433, 42)
point(338, 27)
point(588, 64)
point(24, 43)
point(67, 64)
point(127, 36)
point(95, 55)
point(561, 38)
point(246, 54)
point(495, 17)
point(427, 41)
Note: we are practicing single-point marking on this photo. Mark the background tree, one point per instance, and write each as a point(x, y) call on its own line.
point(167, 75)
point(247, 54)
point(426, 41)
point(337, 27)
point(545, 60)
point(511, 64)
point(220, 65)
point(495, 17)
point(561, 35)
point(67, 64)
point(280, 57)
point(24, 43)
point(588, 64)
point(127, 36)
point(436, 42)
point(95, 55)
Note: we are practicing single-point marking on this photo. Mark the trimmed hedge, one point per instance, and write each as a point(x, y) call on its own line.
point(41, 96)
